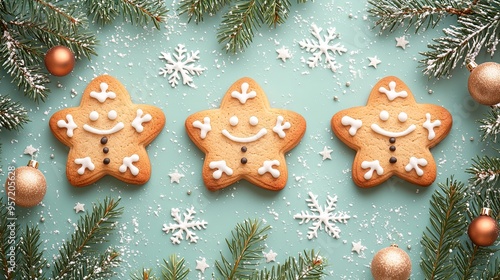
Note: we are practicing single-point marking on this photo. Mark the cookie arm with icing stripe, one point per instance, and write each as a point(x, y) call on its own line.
point(347, 124)
point(151, 128)
point(437, 113)
point(296, 130)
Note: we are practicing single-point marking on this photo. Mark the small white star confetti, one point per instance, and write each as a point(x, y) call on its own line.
point(357, 247)
point(270, 256)
point(374, 61)
point(79, 207)
point(283, 53)
point(202, 265)
point(175, 177)
point(326, 153)
point(401, 42)
point(30, 150)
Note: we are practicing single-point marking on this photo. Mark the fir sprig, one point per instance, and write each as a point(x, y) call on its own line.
point(485, 171)
point(239, 23)
point(447, 219)
point(174, 269)
point(471, 260)
point(12, 115)
point(93, 229)
point(490, 125)
point(477, 28)
point(31, 263)
point(246, 250)
point(310, 265)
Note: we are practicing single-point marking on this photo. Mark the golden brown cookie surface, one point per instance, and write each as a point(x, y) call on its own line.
point(107, 134)
point(392, 135)
point(245, 138)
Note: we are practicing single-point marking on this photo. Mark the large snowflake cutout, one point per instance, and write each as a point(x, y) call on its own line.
point(181, 65)
point(322, 217)
point(321, 46)
point(184, 224)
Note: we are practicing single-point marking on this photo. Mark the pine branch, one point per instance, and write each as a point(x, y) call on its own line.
point(143, 274)
point(393, 14)
point(307, 266)
point(464, 40)
point(12, 115)
point(141, 12)
point(485, 171)
point(246, 250)
point(31, 263)
point(174, 269)
point(236, 31)
point(447, 225)
point(97, 267)
point(93, 229)
point(470, 260)
point(198, 8)
point(276, 12)
point(490, 125)
point(6, 211)
point(493, 271)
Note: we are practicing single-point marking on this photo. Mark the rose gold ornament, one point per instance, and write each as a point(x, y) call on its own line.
point(26, 185)
point(59, 61)
point(483, 230)
point(484, 82)
point(391, 263)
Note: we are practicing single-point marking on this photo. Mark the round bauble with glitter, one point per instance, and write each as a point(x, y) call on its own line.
point(59, 61)
point(391, 263)
point(483, 230)
point(26, 186)
point(484, 82)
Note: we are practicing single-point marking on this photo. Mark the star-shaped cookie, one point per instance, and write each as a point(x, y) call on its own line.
point(392, 135)
point(107, 134)
point(245, 138)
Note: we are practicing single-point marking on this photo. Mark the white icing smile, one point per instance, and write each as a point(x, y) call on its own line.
point(375, 127)
point(119, 126)
point(249, 139)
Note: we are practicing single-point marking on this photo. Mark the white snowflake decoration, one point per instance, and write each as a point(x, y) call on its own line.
point(181, 65)
point(184, 224)
point(322, 217)
point(322, 47)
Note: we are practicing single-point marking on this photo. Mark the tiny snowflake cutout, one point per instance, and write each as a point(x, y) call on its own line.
point(184, 224)
point(322, 217)
point(181, 65)
point(322, 47)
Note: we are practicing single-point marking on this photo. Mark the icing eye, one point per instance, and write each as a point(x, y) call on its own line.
point(402, 117)
point(112, 115)
point(384, 115)
point(233, 120)
point(253, 120)
point(93, 116)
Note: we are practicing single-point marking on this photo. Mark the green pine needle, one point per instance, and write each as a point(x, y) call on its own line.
point(12, 115)
point(174, 269)
point(93, 229)
point(308, 266)
point(246, 248)
point(143, 274)
point(485, 171)
point(31, 263)
point(490, 125)
point(448, 205)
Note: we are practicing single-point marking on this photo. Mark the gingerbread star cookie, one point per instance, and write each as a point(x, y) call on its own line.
point(245, 138)
point(107, 134)
point(392, 135)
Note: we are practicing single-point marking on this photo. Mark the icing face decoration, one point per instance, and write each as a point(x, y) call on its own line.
point(392, 135)
point(245, 138)
point(107, 134)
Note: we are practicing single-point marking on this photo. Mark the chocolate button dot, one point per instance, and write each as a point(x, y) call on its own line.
point(104, 140)
point(393, 160)
point(244, 160)
point(392, 148)
point(105, 150)
point(244, 149)
point(106, 161)
point(392, 140)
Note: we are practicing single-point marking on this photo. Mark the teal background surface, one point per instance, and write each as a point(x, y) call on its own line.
point(394, 212)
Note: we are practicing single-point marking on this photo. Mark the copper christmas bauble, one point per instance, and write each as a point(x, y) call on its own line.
point(59, 61)
point(391, 263)
point(26, 185)
point(483, 230)
point(484, 82)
